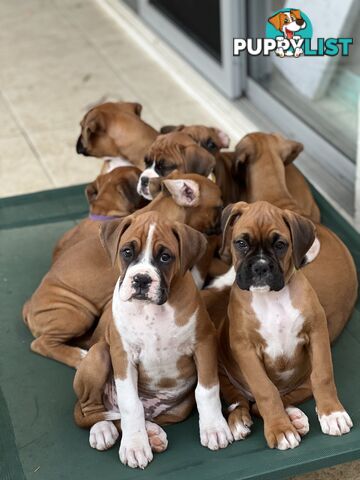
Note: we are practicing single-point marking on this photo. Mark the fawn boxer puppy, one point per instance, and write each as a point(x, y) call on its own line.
point(161, 344)
point(231, 175)
point(115, 132)
point(275, 336)
point(174, 151)
point(78, 288)
point(109, 196)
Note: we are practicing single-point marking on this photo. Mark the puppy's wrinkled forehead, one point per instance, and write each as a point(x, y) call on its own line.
point(166, 144)
point(149, 229)
point(261, 222)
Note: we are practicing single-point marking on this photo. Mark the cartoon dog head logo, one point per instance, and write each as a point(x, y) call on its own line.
point(290, 25)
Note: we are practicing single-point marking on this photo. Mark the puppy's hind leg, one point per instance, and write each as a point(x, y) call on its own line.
point(89, 385)
point(55, 328)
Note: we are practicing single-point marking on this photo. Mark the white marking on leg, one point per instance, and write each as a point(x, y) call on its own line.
point(135, 450)
point(214, 430)
point(336, 423)
point(223, 281)
point(103, 435)
point(198, 279)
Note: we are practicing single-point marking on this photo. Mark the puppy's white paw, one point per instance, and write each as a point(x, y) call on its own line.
point(135, 450)
point(216, 435)
point(157, 437)
point(103, 435)
point(298, 419)
point(239, 421)
point(288, 440)
point(336, 423)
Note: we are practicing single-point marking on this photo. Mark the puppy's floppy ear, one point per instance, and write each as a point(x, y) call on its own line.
point(185, 193)
point(137, 108)
point(131, 107)
point(91, 192)
point(228, 218)
point(296, 13)
point(198, 160)
point(171, 128)
point(289, 149)
point(223, 137)
point(245, 150)
point(192, 245)
point(96, 124)
point(110, 235)
point(302, 233)
point(276, 20)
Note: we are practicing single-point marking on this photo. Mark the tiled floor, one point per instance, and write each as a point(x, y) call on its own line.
point(57, 58)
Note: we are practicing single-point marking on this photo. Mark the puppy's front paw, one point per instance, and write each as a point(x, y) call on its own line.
point(157, 437)
point(135, 450)
point(336, 423)
point(282, 436)
point(103, 435)
point(240, 422)
point(215, 435)
point(298, 419)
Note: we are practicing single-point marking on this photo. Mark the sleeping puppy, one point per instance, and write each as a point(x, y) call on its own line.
point(115, 132)
point(174, 151)
point(159, 352)
point(274, 338)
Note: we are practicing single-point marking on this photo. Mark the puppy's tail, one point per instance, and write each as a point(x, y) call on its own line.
point(87, 421)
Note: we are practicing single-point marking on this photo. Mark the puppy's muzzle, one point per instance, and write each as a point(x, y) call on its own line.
point(80, 147)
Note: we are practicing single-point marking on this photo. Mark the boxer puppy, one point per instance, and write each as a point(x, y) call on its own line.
point(115, 132)
point(275, 337)
point(161, 344)
point(231, 175)
point(78, 288)
point(174, 151)
point(109, 196)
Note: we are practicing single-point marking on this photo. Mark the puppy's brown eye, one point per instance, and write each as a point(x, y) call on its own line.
point(165, 258)
point(148, 162)
point(286, 20)
point(241, 245)
point(127, 253)
point(209, 145)
point(280, 246)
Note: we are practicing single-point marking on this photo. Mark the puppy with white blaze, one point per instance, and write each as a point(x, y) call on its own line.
point(159, 353)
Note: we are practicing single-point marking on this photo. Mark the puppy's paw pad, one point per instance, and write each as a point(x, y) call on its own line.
point(299, 420)
point(157, 437)
point(239, 423)
point(336, 423)
point(103, 435)
point(215, 436)
point(135, 451)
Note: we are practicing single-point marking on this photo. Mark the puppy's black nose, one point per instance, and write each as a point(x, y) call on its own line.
point(144, 181)
point(260, 268)
point(300, 21)
point(141, 281)
point(80, 147)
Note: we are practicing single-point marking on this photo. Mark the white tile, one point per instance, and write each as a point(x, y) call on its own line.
point(65, 166)
point(20, 170)
point(9, 128)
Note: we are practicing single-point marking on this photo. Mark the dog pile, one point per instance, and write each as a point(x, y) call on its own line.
point(199, 274)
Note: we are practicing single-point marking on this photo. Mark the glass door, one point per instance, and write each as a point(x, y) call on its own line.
point(202, 32)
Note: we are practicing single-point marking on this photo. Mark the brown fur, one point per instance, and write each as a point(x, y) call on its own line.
point(115, 129)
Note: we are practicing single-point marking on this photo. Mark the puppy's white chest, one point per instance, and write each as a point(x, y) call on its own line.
point(280, 322)
point(151, 336)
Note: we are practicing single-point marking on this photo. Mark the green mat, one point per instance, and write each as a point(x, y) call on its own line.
point(38, 438)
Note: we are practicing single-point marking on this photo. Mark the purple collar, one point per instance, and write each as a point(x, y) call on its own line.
point(102, 218)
